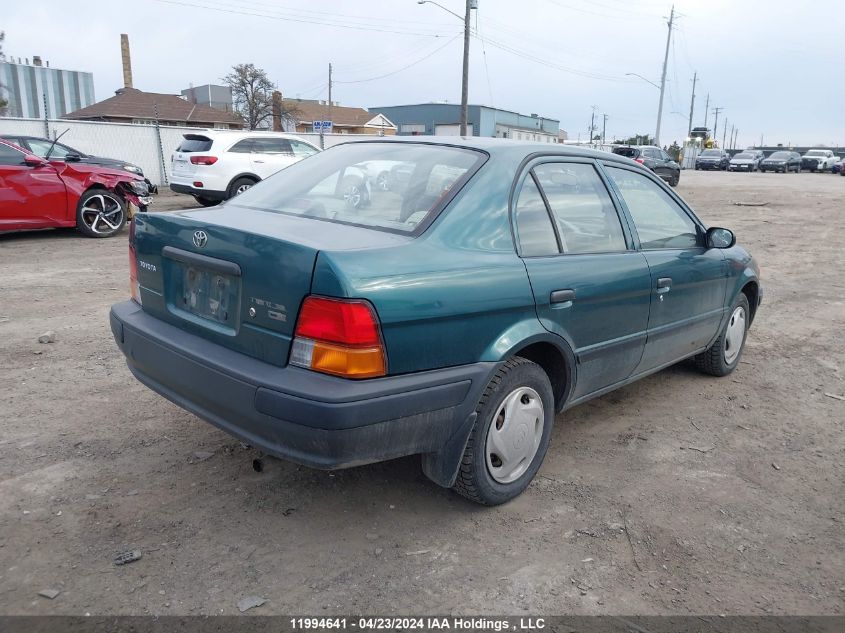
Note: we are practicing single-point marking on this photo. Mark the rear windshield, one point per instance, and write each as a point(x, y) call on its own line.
point(194, 143)
point(630, 152)
point(389, 186)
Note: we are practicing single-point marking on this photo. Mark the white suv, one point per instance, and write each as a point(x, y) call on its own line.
point(214, 166)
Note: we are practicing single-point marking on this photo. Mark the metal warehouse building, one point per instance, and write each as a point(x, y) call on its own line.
point(442, 119)
point(26, 85)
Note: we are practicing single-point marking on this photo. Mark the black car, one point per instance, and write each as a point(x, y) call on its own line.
point(782, 161)
point(655, 159)
point(40, 146)
point(713, 159)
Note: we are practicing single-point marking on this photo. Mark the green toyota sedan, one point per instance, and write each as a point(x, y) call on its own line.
point(440, 297)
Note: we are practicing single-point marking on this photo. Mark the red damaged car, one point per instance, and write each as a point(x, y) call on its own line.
point(38, 194)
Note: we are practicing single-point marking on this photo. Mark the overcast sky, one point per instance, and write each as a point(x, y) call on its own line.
point(776, 67)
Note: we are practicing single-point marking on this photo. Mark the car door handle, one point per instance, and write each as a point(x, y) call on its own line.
point(664, 284)
point(255, 160)
point(562, 298)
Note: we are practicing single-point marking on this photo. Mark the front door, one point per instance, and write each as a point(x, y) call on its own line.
point(589, 286)
point(30, 196)
point(688, 281)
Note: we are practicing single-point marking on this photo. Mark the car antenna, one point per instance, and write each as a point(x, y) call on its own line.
point(53, 144)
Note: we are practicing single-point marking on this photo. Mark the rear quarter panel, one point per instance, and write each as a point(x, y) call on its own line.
point(457, 294)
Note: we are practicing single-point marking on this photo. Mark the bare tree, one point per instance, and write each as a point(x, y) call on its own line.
point(252, 93)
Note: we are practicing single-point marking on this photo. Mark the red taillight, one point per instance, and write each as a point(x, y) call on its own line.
point(640, 161)
point(339, 337)
point(134, 286)
point(203, 160)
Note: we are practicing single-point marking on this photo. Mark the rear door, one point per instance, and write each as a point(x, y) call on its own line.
point(688, 281)
point(590, 287)
point(30, 197)
point(270, 155)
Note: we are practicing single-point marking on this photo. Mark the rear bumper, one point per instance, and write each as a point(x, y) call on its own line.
point(302, 416)
point(211, 194)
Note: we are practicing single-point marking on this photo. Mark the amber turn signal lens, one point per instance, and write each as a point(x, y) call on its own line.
point(350, 362)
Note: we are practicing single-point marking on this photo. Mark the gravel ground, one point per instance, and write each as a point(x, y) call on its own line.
point(678, 494)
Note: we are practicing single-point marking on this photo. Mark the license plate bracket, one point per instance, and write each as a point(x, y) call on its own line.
point(209, 295)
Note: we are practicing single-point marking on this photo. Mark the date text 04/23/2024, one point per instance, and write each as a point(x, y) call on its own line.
point(454, 623)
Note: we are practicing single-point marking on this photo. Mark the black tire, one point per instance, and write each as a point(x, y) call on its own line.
point(239, 186)
point(92, 223)
point(206, 202)
point(354, 192)
point(713, 360)
point(474, 479)
point(674, 180)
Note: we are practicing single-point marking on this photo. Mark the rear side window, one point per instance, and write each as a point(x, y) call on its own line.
point(659, 220)
point(533, 225)
point(392, 186)
point(272, 146)
point(301, 149)
point(10, 156)
point(194, 143)
point(242, 147)
point(586, 219)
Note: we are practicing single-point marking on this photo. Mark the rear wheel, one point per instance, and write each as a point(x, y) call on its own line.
point(674, 180)
point(206, 202)
point(510, 436)
point(239, 186)
point(100, 213)
point(723, 356)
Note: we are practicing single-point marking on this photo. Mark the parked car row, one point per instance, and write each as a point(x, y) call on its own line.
point(784, 161)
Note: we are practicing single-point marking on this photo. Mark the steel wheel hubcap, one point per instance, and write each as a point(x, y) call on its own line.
point(734, 335)
point(514, 435)
point(102, 213)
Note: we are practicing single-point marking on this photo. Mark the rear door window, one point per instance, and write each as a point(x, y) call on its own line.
point(242, 147)
point(660, 221)
point(586, 219)
point(272, 146)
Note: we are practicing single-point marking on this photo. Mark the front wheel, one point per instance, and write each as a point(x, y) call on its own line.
point(510, 436)
point(100, 213)
point(674, 180)
point(723, 356)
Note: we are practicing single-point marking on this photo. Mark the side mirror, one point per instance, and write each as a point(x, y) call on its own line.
point(72, 157)
point(718, 237)
point(34, 161)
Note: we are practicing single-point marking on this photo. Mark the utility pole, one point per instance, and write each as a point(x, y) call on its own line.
point(731, 137)
point(736, 136)
point(663, 77)
point(603, 128)
point(692, 103)
point(465, 80)
point(328, 115)
point(724, 133)
point(706, 109)
point(593, 123)
point(716, 124)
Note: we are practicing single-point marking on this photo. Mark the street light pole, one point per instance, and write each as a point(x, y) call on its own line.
point(470, 4)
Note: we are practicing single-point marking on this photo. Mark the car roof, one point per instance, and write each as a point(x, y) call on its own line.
point(497, 146)
point(212, 134)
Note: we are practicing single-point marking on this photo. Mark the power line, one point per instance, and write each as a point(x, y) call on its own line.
point(414, 63)
point(301, 20)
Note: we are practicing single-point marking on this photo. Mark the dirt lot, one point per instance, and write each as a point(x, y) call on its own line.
point(679, 494)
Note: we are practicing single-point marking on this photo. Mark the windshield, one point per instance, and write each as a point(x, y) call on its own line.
point(780, 155)
point(382, 185)
point(816, 152)
point(59, 152)
point(744, 155)
point(711, 152)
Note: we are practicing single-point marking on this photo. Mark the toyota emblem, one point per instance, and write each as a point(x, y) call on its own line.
point(200, 238)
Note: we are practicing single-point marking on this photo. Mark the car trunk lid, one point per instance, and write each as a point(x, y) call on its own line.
point(236, 276)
